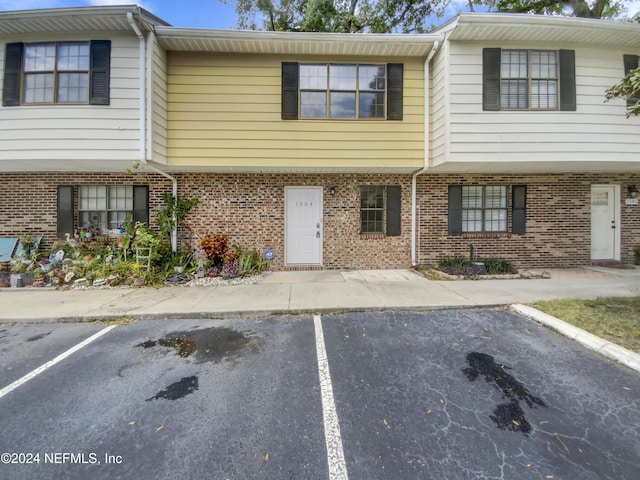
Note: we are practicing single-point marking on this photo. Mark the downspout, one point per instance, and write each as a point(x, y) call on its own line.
point(143, 125)
point(414, 202)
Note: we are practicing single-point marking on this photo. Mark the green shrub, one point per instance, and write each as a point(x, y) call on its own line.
point(460, 265)
point(498, 266)
point(250, 262)
point(455, 265)
point(636, 253)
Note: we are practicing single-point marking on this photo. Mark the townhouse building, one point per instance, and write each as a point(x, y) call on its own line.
point(332, 150)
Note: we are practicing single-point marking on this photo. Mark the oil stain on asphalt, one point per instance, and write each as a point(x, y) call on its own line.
point(207, 345)
point(507, 416)
point(177, 390)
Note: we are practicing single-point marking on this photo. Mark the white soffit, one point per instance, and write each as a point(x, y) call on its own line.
point(542, 28)
point(78, 19)
point(295, 43)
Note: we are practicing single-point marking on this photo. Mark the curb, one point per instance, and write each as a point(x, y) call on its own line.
point(603, 347)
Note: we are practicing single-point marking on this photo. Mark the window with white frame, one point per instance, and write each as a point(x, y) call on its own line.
point(529, 79)
point(342, 91)
point(56, 72)
point(484, 208)
point(104, 206)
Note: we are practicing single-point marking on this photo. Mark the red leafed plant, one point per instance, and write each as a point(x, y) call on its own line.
point(215, 248)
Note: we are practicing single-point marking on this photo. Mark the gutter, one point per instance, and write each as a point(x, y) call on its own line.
point(414, 202)
point(143, 125)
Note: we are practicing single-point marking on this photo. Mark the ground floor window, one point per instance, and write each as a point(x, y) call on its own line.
point(100, 207)
point(485, 209)
point(380, 209)
point(104, 207)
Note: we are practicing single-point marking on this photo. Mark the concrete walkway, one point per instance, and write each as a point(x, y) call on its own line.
point(330, 292)
point(310, 292)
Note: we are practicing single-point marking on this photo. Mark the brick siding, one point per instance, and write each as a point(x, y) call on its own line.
point(558, 230)
point(249, 208)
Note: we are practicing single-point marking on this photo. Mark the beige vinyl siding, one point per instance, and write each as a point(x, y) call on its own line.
point(66, 133)
point(224, 111)
point(158, 100)
point(597, 132)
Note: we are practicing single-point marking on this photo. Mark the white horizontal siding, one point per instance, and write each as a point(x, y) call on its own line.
point(438, 113)
point(59, 133)
point(596, 131)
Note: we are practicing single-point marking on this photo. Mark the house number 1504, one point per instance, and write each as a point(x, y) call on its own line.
point(304, 204)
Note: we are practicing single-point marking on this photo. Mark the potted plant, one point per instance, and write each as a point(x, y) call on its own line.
point(19, 275)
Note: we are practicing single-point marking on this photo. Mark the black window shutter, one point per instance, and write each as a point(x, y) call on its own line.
point(100, 72)
point(65, 215)
point(630, 63)
point(567, 60)
point(491, 79)
point(394, 210)
point(12, 67)
point(395, 80)
point(290, 73)
point(455, 209)
point(141, 204)
point(519, 205)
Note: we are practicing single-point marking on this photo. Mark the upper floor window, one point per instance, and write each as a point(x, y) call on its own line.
point(528, 79)
point(57, 73)
point(342, 91)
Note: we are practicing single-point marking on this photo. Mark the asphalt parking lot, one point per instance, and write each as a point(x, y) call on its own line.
point(456, 394)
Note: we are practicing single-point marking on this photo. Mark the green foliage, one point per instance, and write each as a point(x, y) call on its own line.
point(498, 266)
point(454, 264)
point(628, 87)
point(407, 16)
point(174, 207)
point(636, 254)
point(347, 16)
point(251, 262)
point(144, 237)
point(460, 265)
point(577, 8)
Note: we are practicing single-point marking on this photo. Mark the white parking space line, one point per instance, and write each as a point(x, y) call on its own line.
point(335, 454)
point(51, 363)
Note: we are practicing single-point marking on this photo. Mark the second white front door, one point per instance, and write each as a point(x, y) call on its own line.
point(303, 225)
point(605, 222)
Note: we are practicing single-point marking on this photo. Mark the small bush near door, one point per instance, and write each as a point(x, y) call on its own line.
point(459, 265)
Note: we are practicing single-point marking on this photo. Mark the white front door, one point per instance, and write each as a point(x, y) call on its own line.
point(303, 225)
point(605, 222)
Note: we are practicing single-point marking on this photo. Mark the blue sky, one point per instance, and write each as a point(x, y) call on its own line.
point(189, 13)
point(179, 13)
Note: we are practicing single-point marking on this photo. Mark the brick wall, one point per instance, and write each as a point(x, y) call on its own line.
point(558, 231)
point(249, 208)
point(28, 200)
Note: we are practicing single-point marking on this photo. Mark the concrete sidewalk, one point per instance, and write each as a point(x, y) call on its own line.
point(309, 292)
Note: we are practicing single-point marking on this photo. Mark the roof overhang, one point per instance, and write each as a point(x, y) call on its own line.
point(295, 43)
point(471, 27)
point(76, 19)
